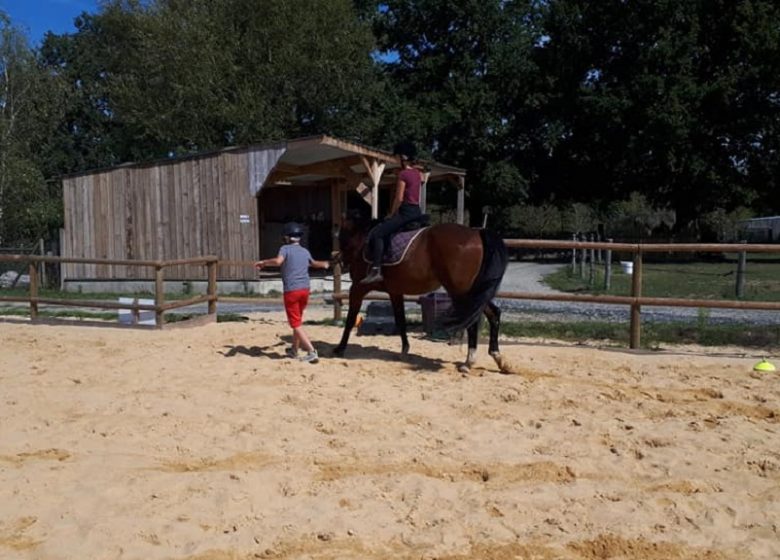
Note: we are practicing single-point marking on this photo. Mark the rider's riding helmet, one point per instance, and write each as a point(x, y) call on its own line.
point(406, 150)
point(293, 230)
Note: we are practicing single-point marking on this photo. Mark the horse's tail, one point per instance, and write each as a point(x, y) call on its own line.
point(467, 308)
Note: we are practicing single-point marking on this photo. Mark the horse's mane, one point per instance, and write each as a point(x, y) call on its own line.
point(361, 223)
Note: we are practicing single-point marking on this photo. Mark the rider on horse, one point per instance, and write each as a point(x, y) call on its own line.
point(405, 207)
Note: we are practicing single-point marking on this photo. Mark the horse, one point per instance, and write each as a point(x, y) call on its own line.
point(468, 263)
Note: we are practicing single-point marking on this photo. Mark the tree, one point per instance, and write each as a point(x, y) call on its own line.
point(465, 75)
point(675, 100)
point(190, 75)
point(29, 101)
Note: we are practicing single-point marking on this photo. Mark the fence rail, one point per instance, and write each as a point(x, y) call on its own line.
point(635, 301)
point(160, 307)
point(583, 248)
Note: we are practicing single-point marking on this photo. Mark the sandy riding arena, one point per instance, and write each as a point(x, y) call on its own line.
point(209, 444)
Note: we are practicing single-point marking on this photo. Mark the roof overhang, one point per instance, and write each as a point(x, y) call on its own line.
point(322, 158)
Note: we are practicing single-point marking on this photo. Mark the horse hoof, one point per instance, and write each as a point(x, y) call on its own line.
point(405, 350)
point(464, 369)
point(503, 365)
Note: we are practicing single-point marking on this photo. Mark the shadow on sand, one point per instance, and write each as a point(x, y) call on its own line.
point(325, 350)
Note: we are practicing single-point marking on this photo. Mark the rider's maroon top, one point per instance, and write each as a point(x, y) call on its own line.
point(412, 179)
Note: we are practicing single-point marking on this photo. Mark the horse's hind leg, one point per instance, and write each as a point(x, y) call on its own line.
point(400, 320)
point(472, 333)
point(493, 314)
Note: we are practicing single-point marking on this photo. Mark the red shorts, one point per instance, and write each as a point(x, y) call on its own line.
point(294, 304)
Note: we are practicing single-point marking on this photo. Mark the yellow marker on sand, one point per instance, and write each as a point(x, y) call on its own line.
point(764, 366)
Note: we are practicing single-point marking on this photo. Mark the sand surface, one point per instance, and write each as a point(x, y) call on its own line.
point(209, 444)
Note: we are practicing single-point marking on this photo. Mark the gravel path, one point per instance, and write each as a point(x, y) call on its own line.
point(527, 277)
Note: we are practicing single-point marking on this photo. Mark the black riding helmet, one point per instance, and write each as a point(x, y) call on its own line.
point(293, 229)
point(406, 149)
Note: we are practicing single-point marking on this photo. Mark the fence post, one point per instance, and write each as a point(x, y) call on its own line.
point(159, 295)
point(636, 292)
point(608, 268)
point(591, 255)
point(212, 286)
point(583, 253)
point(741, 265)
point(33, 271)
point(574, 255)
point(337, 290)
point(42, 252)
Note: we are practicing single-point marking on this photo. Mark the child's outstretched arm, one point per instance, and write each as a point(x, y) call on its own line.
point(319, 264)
point(276, 261)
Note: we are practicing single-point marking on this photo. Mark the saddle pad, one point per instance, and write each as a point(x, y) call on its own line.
point(397, 248)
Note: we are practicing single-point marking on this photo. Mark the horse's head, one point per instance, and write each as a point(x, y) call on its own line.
point(352, 236)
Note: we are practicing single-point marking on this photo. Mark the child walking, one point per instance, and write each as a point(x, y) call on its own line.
point(295, 261)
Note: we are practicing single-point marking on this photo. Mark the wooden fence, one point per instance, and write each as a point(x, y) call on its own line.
point(159, 307)
point(635, 300)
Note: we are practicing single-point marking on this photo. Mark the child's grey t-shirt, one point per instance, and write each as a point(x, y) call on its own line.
point(295, 268)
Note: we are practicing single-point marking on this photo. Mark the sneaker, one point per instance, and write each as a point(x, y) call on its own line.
point(291, 352)
point(374, 275)
point(311, 357)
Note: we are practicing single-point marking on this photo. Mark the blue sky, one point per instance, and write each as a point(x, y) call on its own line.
point(36, 17)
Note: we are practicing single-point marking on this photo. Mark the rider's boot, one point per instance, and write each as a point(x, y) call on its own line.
point(375, 273)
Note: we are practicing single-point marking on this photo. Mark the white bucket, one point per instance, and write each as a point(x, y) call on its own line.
point(627, 266)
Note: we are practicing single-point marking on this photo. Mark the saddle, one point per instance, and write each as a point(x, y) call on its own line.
point(398, 244)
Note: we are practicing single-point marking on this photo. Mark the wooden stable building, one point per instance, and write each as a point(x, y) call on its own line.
point(229, 203)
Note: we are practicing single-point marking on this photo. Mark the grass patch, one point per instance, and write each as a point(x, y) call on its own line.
point(69, 314)
point(715, 281)
point(111, 315)
point(652, 335)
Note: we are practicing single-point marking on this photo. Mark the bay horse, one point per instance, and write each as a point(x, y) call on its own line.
point(468, 263)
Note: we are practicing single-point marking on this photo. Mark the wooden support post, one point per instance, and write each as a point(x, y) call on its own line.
point(741, 266)
point(636, 292)
point(33, 271)
point(608, 268)
point(424, 191)
point(374, 168)
point(212, 286)
point(159, 295)
point(583, 253)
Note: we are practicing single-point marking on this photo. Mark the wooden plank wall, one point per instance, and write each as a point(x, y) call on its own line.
point(172, 210)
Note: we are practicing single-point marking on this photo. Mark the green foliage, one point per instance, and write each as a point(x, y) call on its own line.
point(465, 70)
point(613, 112)
point(636, 218)
point(541, 222)
point(29, 105)
point(722, 226)
point(716, 280)
point(168, 76)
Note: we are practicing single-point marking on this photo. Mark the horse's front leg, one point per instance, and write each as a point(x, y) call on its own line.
point(473, 335)
point(356, 295)
point(400, 320)
point(493, 314)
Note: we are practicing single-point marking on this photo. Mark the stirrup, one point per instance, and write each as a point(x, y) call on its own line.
point(374, 275)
